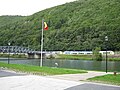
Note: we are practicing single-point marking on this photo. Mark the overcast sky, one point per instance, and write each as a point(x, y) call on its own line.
point(27, 7)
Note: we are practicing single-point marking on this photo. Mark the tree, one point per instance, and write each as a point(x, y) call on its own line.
point(96, 55)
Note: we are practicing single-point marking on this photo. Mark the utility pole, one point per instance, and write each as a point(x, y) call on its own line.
point(8, 52)
point(106, 39)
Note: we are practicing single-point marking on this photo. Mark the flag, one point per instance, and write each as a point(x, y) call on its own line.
point(45, 26)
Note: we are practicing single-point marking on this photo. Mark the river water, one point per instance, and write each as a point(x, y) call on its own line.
point(72, 64)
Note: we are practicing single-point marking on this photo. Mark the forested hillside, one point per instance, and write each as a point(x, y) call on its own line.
point(79, 25)
point(4, 20)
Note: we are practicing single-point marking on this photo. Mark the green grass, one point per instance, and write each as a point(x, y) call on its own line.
point(109, 79)
point(14, 55)
point(83, 57)
point(75, 57)
point(114, 59)
point(40, 70)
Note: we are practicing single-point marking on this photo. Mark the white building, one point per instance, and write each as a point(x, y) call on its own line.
point(86, 52)
point(77, 52)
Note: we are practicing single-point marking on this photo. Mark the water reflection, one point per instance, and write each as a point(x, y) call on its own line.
point(73, 64)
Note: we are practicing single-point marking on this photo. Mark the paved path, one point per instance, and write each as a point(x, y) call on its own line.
point(34, 82)
point(79, 77)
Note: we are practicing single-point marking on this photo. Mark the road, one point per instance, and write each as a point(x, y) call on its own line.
point(91, 86)
point(5, 73)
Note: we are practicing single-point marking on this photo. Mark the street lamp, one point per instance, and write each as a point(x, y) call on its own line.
point(106, 39)
point(8, 52)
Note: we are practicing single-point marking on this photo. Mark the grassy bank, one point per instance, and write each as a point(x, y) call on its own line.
point(40, 70)
point(114, 59)
point(108, 79)
point(14, 55)
point(85, 57)
point(75, 57)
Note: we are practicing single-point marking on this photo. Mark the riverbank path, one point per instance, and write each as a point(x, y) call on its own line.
point(79, 77)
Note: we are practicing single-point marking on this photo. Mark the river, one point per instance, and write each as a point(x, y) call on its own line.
point(72, 64)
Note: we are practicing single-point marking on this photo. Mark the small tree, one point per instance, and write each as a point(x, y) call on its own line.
point(96, 55)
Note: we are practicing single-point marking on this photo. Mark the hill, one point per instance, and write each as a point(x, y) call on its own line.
point(4, 20)
point(79, 25)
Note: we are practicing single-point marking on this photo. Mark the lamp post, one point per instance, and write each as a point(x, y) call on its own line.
point(106, 39)
point(8, 52)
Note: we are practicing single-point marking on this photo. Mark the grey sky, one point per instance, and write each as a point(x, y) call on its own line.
point(27, 7)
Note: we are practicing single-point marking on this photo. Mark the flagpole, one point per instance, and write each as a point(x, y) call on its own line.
point(42, 42)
